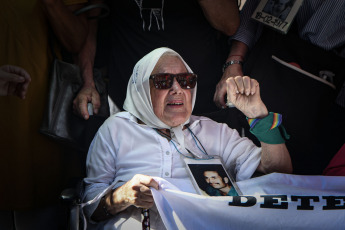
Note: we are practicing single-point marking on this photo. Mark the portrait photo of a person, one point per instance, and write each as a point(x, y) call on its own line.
point(278, 8)
point(218, 185)
point(213, 180)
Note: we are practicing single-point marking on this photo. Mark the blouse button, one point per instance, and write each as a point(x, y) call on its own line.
point(167, 152)
point(167, 174)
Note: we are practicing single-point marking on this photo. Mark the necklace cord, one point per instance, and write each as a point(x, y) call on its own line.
point(195, 138)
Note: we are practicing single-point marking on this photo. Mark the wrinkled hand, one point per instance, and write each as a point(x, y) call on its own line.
point(244, 93)
point(14, 81)
point(221, 89)
point(136, 192)
point(86, 94)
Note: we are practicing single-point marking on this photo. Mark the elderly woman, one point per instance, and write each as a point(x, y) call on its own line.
point(157, 131)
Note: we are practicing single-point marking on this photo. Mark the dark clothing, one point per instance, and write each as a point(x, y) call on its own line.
point(310, 114)
point(215, 192)
point(186, 31)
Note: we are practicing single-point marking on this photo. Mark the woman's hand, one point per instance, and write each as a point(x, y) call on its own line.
point(136, 192)
point(244, 93)
point(14, 80)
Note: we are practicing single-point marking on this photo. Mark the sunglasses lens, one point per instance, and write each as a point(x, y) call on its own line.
point(165, 81)
point(186, 80)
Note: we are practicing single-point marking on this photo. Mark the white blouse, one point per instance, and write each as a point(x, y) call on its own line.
point(123, 148)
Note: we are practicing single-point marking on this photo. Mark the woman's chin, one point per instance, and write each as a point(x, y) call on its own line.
point(176, 120)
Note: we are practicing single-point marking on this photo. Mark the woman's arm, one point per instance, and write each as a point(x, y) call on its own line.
point(274, 158)
point(244, 93)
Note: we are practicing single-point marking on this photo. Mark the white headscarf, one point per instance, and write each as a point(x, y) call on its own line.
point(138, 100)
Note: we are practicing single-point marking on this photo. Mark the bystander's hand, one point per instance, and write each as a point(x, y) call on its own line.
point(86, 94)
point(221, 88)
point(14, 80)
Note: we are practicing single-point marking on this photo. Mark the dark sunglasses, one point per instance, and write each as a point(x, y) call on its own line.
point(165, 80)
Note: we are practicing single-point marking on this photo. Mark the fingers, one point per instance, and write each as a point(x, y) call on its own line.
point(96, 102)
point(242, 85)
point(254, 89)
point(141, 195)
point(219, 96)
point(14, 80)
point(149, 182)
point(19, 71)
point(80, 106)
point(9, 77)
point(221, 89)
point(244, 93)
point(231, 89)
point(23, 87)
point(86, 95)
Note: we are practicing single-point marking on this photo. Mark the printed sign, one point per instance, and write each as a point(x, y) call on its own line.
point(277, 14)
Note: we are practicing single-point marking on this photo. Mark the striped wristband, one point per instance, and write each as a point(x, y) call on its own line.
point(269, 129)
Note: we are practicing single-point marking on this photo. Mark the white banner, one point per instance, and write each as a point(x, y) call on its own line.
point(275, 201)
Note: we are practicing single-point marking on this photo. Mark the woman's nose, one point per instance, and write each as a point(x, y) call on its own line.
point(176, 86)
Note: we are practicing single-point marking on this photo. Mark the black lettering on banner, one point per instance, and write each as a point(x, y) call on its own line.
point(305, 202)
point(274, 201)
point(236, 201)
point(334, 202)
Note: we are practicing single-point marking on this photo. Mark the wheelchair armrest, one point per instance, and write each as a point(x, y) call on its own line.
point(70, 195)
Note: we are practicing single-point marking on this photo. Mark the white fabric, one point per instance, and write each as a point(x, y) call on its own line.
point(138, 99)
point(181, 210)
point(113, 108)
point(123, 148)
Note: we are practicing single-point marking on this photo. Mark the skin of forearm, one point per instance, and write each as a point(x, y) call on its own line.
point(113, 202)
point(87, 55)
point(223, 15)
point(238, 51)
point(275, 158)
point(71, 30)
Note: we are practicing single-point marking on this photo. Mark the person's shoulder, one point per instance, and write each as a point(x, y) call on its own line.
point(118, 120)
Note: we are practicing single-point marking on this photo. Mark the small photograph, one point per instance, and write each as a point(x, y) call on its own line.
point(279, 8)
point(213, 180)
point(277, 14)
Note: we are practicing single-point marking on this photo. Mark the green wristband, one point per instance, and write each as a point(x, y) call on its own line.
point(269, 129)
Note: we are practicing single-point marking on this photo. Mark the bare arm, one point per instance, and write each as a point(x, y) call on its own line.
point(135, 192)
point(238, 52)
point(70, 29)
point(274, 158)
point(223, 15)
point(244, 93)
point(86, 57)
